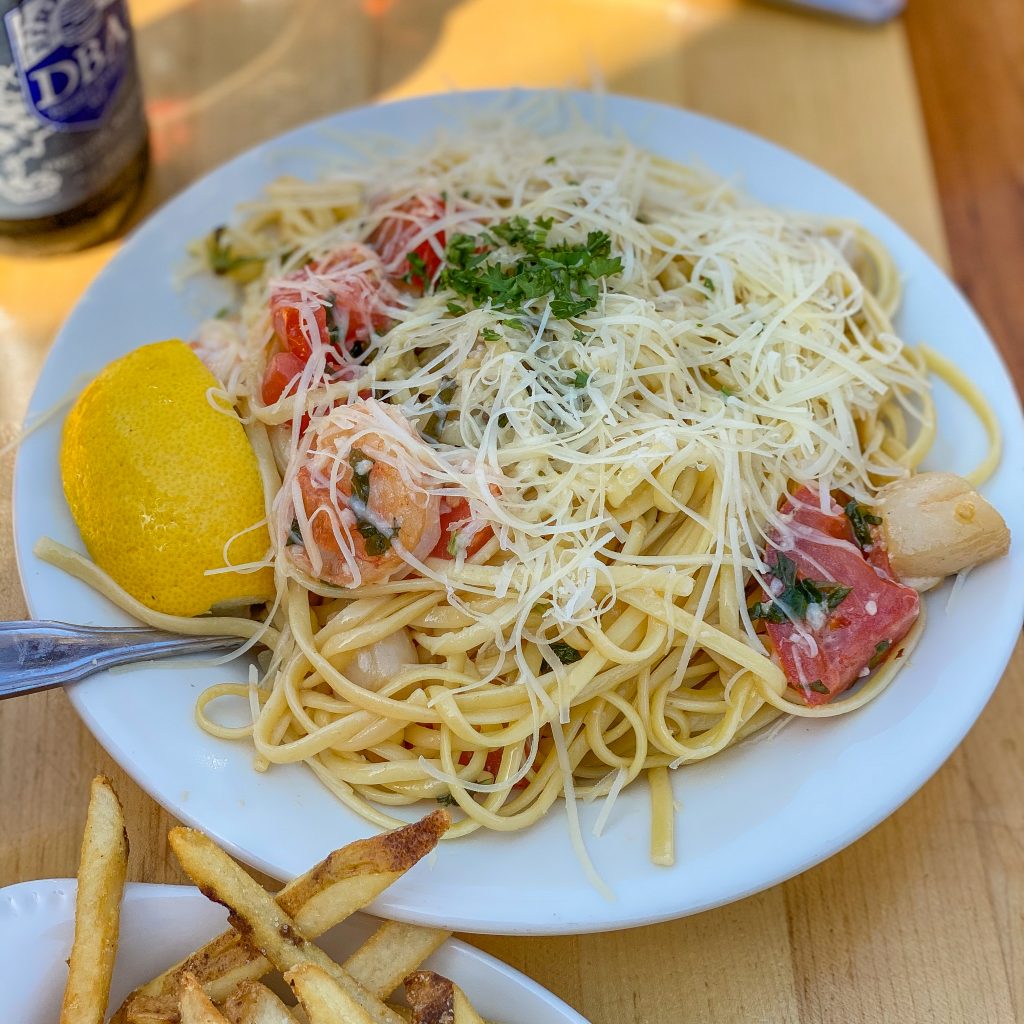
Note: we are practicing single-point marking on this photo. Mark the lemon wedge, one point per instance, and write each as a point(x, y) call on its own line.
point(163, 487)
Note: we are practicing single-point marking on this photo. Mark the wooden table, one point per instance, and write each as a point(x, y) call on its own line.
point(923, 919)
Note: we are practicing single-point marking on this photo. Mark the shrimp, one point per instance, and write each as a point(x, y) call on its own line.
point(359, 498)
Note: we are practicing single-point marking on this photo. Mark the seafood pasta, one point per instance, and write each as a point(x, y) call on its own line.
point(579, 466)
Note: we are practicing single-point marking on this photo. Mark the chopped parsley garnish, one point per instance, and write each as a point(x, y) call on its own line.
point(453, 543)
point(578, 335)
point(581, 379)
point(567, 273)
point(549, 160)
point(376, 540)
point(224, 261)
point(456, 310)
point(333, 331)
point(436, 420)
point(222, 313)
point(417, 269)
point(881, 649)
point(357, 458)
point(446, 800)
point(708, 284)
point(861, 520)
point(565, 653)
point(796, 595)
point(490, 334)
point(818, 686)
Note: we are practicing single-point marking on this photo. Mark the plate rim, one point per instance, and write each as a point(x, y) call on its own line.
point(581, 922)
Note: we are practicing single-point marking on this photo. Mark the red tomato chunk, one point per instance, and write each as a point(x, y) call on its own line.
point(396, 240)
point(453, 517)
point(874, 616)
point(336, 303)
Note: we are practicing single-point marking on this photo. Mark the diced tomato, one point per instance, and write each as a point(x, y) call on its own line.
point(338, 305)
point(394, 237)
point(455, 515)
point(290, 316)
point(282, 369)
point(873, 617)
point(491, 765)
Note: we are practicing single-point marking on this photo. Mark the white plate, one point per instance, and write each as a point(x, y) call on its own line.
point(161, 924)
point(750, 817)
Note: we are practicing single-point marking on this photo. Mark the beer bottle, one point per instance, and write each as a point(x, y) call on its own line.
point(73, 137)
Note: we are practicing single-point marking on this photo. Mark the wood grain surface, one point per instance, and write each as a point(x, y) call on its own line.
point(921, 920)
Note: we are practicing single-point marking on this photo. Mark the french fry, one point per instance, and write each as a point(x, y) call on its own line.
point(436, 1000)
point(194, 1005)
point(253, 1003)
point(345, 881)
point(101, 872)
point(323, 999)
point(260, 920)
point(392, 952)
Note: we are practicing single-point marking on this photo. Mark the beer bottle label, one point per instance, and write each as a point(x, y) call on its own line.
point(71, 114)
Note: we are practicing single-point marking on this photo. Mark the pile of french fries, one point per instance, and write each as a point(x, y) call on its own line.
point(220, 983)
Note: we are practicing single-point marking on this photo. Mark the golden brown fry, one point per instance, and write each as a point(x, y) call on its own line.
point(194, 1005)
point(345, 881)
point(256, 916)
point(392, 952)
point(253, 1003)
point(323, 999)
point(101, 871)
point(436, 1000)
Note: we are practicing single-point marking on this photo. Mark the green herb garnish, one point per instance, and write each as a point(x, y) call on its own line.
point(549, 160)
point(446, 800)
point(578, 335)
point(818, 686)
point(456, 310)
point(708, 284)
point(861, 520)
point(453, 543)
point(568, 273)
point(225, 262)
point(360, 480)
point(565, 653)
point(797, 595)
point(581, 379)
point(489, 334)
point(881, 649)
point(436, 420)
point(417, 269)
point(376, 540)
point(333, 331)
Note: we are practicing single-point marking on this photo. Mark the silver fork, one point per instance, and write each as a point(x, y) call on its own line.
point(39, 655)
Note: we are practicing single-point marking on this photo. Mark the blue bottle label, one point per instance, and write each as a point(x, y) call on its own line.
point(72, 57)
point(71, 113)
